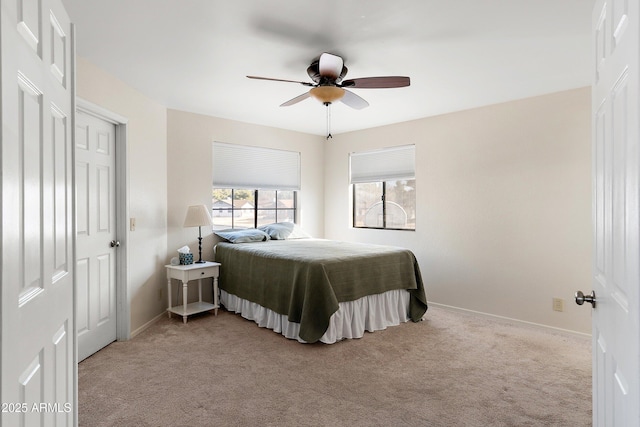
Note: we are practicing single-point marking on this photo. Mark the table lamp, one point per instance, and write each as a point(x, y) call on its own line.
point(197, 216)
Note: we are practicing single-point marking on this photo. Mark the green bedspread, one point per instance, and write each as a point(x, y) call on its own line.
point(305, 279)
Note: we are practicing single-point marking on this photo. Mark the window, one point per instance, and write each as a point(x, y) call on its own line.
point(242, 208)
point(383, 187)
point(253, 186)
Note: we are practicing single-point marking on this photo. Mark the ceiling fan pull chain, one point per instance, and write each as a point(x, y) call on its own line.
point(328, 104)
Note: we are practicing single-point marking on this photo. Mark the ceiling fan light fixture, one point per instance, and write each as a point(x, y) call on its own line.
point(327, 94)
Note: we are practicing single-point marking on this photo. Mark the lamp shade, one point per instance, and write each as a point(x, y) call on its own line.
point(197, 215)
point(327, 94)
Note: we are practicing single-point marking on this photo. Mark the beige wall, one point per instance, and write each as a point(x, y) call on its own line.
point(147, 187)
point(190, 142)
point(503, 200)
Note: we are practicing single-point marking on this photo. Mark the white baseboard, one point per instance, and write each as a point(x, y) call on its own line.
point(508, 319)
point(148, 324)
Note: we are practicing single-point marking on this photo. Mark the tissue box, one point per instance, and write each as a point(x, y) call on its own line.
point(186, 259)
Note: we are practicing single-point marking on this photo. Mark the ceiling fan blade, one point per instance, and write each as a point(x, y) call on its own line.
point(296, 99)
point(377, 82)
point(281, 80)
point(353, 100)
point(330, 65)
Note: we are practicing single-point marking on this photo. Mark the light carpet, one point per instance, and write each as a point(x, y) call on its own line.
point(453, 369)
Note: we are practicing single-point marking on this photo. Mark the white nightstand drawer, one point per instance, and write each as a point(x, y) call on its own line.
point(202, 273)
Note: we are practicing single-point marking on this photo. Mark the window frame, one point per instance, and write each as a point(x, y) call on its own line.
point(256, 208)
point(383, 199)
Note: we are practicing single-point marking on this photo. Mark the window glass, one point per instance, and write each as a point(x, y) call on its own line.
point(400, 198)
point(222, 212)
point(246, 208)
point(388, 204)
point(368, 204)
point(286, 206)
point(266, 207)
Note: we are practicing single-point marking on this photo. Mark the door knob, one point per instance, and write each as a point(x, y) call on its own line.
point(582, 298)
point(114, 243)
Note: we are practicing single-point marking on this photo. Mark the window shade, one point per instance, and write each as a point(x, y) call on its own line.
point(383, 165)
point(243, 166)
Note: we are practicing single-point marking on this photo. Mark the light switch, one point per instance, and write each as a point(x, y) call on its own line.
point(132, 224)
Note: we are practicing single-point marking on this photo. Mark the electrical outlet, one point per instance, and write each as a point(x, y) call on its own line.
point(160, 294)
point(558, 304)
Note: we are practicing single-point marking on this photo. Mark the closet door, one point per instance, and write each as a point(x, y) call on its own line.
point(97, 242)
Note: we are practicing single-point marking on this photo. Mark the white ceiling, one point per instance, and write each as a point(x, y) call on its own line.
point(193, 55)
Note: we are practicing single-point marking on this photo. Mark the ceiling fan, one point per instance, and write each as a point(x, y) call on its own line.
point(328, 72)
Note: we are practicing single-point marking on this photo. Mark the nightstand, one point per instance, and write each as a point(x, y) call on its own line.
point(187, 273)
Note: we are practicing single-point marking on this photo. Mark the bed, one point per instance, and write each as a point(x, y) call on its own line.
point(319, 290)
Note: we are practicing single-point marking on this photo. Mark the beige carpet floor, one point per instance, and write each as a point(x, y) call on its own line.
point(453, 369)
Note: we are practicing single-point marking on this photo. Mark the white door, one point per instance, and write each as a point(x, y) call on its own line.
point(616, 256)
point(96, 233)
point(39, 382)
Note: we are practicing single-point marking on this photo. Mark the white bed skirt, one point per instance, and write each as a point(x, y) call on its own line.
point(370, 313)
